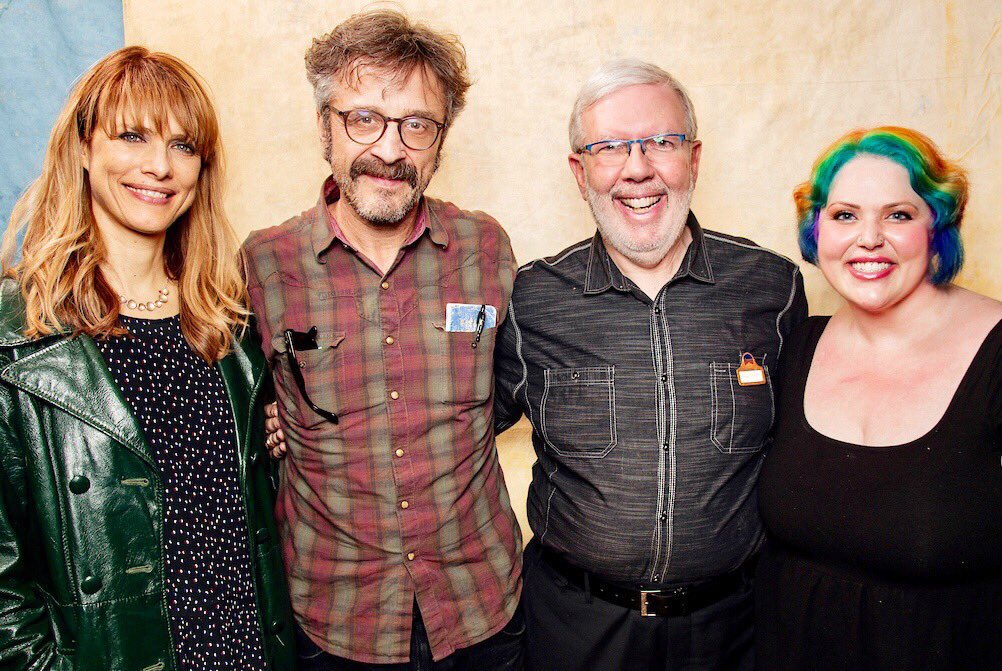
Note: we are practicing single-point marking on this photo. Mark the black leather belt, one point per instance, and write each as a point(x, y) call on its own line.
point(672, 601)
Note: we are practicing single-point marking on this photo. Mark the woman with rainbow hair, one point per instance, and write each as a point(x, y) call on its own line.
point(882, 494)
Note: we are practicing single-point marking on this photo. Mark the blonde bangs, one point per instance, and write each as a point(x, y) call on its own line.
point(59, 271)
point(145, 94)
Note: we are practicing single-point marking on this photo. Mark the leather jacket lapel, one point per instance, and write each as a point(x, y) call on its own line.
point(71, 375)
point(243, 376)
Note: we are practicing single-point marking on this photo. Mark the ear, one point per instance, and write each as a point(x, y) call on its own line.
point(322, 125)
point(697, 151)
point(85, 156)
point(578, 170)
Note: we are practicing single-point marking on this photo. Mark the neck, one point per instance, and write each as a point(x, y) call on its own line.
point(915, 318)
point(652, 277)
point(378, 242)
point(134, 265)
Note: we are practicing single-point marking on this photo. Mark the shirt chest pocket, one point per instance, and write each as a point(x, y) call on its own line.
point(325, 380)
point(740, 416)
point(578, 411)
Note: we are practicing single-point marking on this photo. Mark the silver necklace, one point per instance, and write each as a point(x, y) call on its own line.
point(162, 298)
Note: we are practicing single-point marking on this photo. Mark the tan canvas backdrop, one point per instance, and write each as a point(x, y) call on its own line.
point(773, 82)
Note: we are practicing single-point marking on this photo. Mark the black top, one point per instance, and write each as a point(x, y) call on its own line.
point(648, 448)
point(883, 558)
point(182, 407)
point(925, 510)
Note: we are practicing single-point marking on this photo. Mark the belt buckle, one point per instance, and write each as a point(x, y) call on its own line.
point(643, 601)
point(680, 593)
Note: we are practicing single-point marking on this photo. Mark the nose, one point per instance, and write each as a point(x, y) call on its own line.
point(389, 149)
point(157, 160)
point(637, 167)
point(871, 233)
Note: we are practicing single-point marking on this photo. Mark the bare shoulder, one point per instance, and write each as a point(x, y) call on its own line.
point(973, 314)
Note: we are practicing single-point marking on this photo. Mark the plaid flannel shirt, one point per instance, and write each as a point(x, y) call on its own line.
point(404, 497)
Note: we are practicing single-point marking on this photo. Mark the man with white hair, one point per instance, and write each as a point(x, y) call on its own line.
point(644, 359)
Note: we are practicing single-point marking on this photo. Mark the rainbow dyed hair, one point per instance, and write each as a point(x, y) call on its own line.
point(940, 183)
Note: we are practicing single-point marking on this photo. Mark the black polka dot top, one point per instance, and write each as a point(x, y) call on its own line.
point(182, 407)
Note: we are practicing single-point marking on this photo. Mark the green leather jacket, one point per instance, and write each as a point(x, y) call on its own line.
point(81, 510)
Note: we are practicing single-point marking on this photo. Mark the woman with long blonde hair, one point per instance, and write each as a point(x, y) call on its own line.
point(135, 508)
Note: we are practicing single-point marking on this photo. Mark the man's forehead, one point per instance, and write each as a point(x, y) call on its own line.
point(645, 108)
point(373, 84)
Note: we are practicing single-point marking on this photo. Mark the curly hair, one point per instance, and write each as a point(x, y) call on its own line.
point(387, 40)
point(939, 182)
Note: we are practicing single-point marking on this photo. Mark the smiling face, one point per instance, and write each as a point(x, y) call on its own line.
point(382, 183)
point(641, 206)
point(874, 234)
point(140, 181)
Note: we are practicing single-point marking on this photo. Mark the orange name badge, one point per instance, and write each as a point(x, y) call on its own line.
point(749, 372)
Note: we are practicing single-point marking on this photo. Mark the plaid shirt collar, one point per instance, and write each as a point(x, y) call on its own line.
point(325, 229)
point(603, 274)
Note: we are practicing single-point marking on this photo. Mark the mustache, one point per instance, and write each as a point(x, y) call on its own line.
point(373, 167)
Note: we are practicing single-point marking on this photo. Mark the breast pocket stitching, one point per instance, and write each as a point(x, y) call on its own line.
point(579, 378)
point(718, 408)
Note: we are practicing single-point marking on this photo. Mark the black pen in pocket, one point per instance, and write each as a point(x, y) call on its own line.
point(481, 319)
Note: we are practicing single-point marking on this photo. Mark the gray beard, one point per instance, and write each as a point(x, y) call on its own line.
point(380, 213)
point(613, 234)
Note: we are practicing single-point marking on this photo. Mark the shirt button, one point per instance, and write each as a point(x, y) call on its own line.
point(664, 377)
point(385, 285)
point(399, 452)
point(410, 556)
point(253, 458)
point(405, 505)
point(394, 395)
point(389, 340)
point(665, 447)
point(79, 484)
point(90, 585)
point(664, 516)
point(657, 309)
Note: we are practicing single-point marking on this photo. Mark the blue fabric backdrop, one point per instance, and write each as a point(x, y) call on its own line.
point(44, 48)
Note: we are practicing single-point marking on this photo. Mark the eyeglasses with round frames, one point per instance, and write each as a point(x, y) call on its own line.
point(367, 127)
point(615, 152)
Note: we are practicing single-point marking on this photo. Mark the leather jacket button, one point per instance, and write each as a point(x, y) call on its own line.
point(261, 535)
point(79, 484)
point(276, 627)
point(90, 585)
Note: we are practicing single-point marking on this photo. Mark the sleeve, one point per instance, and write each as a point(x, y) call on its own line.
point(508, 373)
point(792, 316)
point(26, 637)
point(995, 403)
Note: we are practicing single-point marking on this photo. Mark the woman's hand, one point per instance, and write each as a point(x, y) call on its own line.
point(275, 439)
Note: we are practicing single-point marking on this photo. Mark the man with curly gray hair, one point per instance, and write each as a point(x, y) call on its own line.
point(378, 309)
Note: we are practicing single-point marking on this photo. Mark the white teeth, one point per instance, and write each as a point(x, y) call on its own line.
point(867, 267)
point(640, 203)
point(146, 192)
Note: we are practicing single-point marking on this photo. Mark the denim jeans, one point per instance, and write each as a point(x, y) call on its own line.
point(500, 652)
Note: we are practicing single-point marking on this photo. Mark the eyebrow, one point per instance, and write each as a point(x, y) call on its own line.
point(900, 203)
point(411, 111)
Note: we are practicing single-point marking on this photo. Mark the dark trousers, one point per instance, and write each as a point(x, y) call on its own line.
point(500, 652)
point(567, 629)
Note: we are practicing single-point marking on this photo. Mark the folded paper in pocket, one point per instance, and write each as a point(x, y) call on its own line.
point(462, 317)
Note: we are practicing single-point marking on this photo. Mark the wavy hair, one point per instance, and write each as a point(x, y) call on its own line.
point(939, 182)
point(386, 39)
point(59, 272)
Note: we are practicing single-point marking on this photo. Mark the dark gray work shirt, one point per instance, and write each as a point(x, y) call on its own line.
point(648, 448)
